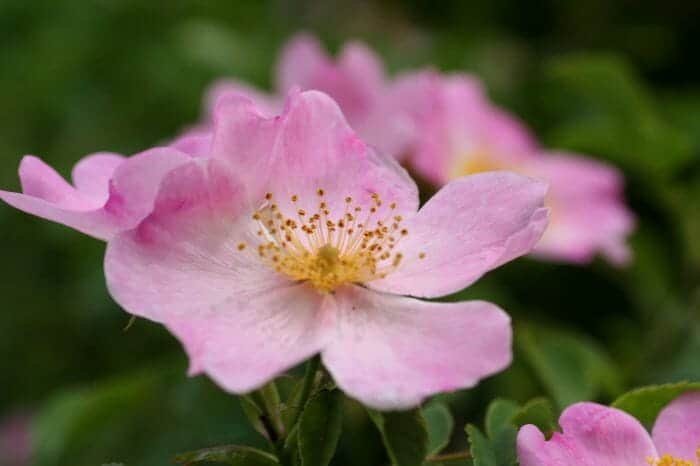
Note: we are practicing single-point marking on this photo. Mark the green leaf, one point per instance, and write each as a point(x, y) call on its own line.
point(234, 455)
point(439, 423)
point(571, 367)
point(254, 414)
point(290, 408)
point(539, 412)
point(499, 415)
point(319, 428)
point(498, 448)
point(404, 434)
point(265, 403)
point(482, 452)
point(290, 452)
point(138, 418)
point(599, 105)
point(645, 403)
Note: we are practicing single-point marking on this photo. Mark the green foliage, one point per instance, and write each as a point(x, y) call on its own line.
point(319, 428)
point(263, 409)
point(604, 109)
point(572, 368)
point(439, 423)
point(497, 447)
point(233, 455)
point(645, 403)
point(540, 413)
point(404, 434)
point(138, 418)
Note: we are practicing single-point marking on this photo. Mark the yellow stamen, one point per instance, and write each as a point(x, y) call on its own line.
point(669, 460)
point(316, 248)
point(475, 161)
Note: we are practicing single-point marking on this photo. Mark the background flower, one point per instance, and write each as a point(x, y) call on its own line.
point(596, 434)
point(445, 127)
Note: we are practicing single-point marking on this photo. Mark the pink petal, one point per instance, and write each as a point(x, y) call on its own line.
point(589, 215)
point(593, 435)
point(406, 111)
point(267, 104)
point(16, 439)
point(243, 343)
point(47, 195)
point(135, 183)
point(195, 141)
point(447, 118)
point(92, 174)
point(300, 62)
point(245, 137)
point(41, 181)
point(355, 80)
point(677, 428)
point(112, 194)
point(309, 147)
point(240, 322)
point(316, 148)
point(391, 352)
point(469, 227)
point(183, 258)
point(95, 223)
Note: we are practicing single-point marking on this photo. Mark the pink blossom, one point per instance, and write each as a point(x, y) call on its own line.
point(589, 215)
point(15, 440)
point(110, 193)
point(445, 127)
point(294, 238)
point(356, 80)
point(598, 435)
point(457, 131)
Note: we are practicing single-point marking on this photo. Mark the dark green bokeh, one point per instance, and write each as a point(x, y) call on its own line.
point(618, 80)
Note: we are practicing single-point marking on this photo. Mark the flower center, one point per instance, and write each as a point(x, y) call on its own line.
point(475, 161)
point(668, 460)
point(328, 249)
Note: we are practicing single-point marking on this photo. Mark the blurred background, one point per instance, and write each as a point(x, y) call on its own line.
point(618, 80)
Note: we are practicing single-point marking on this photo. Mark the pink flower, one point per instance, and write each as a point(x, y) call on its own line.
point(456, 131)
point(293, 238)
point(355, 80)
point(589, 215)
point(597, 435)
point(15, 440)
point(445, 127)
point(110, 193)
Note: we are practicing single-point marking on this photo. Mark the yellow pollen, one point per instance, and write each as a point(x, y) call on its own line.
point(315, 248)
point(474, 161)
point(669, 460)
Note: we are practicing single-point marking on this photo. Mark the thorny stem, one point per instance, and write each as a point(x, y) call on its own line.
point(460, 455)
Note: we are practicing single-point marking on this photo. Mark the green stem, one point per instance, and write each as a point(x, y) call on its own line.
point(460, 455)
point(309, 378)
